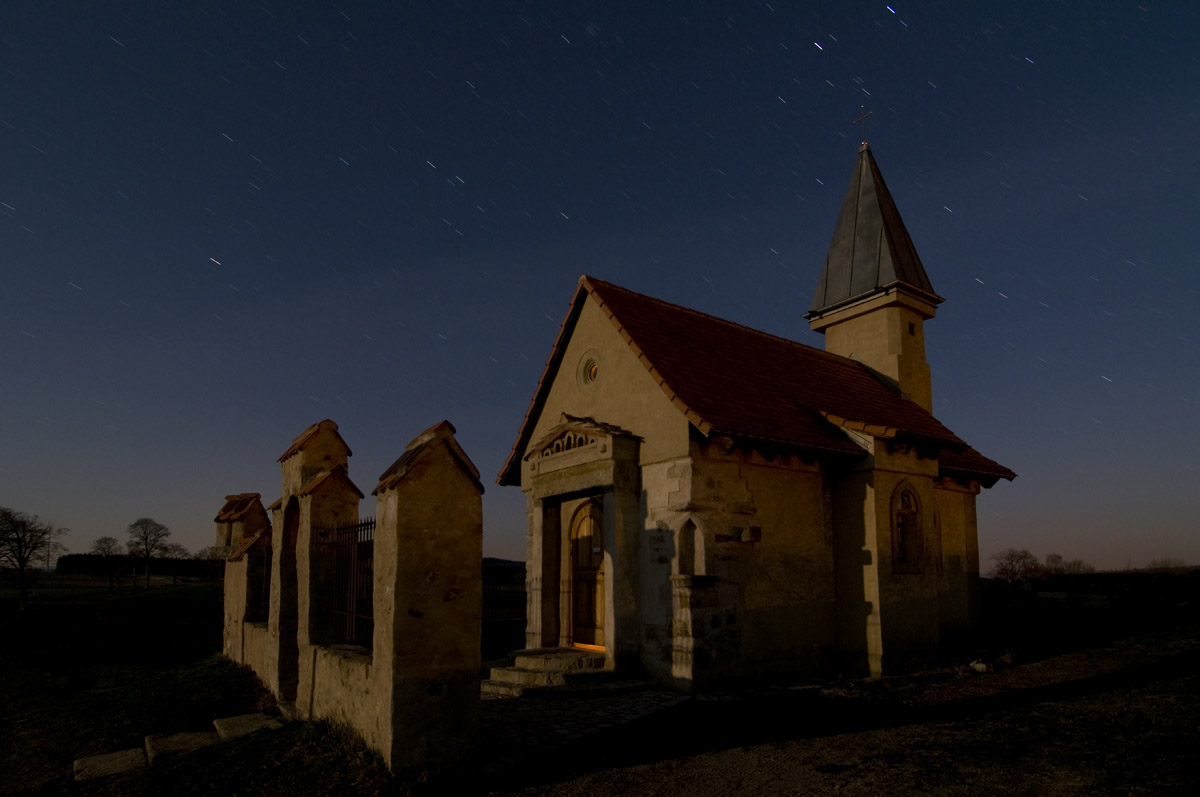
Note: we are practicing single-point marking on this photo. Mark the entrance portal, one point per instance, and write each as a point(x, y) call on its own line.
point(587, 576)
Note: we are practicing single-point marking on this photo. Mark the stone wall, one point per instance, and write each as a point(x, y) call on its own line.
point(235, 610)
point(738, 566)
point(414, 694)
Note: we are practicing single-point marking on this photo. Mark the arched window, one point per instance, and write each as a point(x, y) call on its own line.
point(907, 532)
point(685, 550)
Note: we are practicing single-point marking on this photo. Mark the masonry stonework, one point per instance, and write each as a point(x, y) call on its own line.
point(410, 688)
point(768, 510)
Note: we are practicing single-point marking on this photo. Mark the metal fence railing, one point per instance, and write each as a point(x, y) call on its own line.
point(351, 550)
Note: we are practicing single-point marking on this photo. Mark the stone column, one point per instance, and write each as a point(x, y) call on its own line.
point(695, 623)
point(542, 574)
point(428, 603)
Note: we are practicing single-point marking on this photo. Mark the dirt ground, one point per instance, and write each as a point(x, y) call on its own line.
point(1099, 705)
point(1120, 718)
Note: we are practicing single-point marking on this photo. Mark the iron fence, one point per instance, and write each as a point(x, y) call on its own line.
point(351, 551)
point(258, 608)
point(503, 590)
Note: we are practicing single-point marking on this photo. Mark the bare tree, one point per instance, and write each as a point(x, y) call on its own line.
point(1166, 563)
point(23, 540)
point(147, 539)
point(1056, 565)
point(1013, 565)
point(173, 550)
point(107, 547)
point(213, 553)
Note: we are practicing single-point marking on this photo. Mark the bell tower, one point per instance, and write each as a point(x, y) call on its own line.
point(874, 295)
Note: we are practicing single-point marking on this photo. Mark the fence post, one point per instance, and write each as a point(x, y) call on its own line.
point(428, 600)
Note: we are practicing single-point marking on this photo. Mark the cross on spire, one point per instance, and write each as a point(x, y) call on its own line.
point(862, 119)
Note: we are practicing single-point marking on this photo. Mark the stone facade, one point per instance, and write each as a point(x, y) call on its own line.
point(713, 504)
point(244, 532)
point(409, 683)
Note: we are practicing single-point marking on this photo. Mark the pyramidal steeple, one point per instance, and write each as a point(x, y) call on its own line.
point(874, 295)
point(871, 250)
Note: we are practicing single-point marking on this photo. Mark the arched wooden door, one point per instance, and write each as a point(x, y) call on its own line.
point(587, 576)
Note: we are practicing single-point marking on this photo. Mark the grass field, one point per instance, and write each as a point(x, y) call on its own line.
point(88, 672)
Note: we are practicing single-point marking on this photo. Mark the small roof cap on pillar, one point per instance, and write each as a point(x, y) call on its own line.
point(338, 473)
point(237, 507)
point(323, 426)
point(439, 433)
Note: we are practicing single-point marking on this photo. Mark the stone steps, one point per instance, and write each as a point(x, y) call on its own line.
point(523, 676)
point(558, 659)
point(554, 672)
point(158, 746)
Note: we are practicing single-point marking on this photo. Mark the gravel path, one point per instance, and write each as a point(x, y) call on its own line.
point(1119, 718)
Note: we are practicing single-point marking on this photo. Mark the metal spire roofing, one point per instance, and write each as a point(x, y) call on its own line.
point(871, 250)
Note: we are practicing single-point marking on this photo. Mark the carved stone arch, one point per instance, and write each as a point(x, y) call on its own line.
point(911, 524)
point(585, 540)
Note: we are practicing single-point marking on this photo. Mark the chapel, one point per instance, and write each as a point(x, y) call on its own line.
point(712, 503)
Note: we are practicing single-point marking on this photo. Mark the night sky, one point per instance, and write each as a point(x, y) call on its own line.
point(222, 222)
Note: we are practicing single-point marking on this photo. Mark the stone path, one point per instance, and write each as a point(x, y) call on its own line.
point(513, 730)
point(165, 744)
point(518, 729)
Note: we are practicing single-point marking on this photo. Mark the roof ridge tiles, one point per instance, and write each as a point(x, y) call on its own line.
point(592, 282)
point(726, 377)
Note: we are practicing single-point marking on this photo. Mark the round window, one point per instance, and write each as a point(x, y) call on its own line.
point(589, 369)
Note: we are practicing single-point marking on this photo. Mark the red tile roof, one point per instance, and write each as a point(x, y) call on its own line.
point(730, 379)
point(971, 464)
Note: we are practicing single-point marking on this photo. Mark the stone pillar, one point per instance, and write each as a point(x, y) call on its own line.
point(236, 597)
point(282, 660)
point(542, 574)
point(695, 626)
point(428, 602)
point(622, 515)
point(856, 566)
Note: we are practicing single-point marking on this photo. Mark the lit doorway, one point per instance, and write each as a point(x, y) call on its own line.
point(587, 577)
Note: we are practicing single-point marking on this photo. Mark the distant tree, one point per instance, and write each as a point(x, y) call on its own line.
point(173, 550)
point(107, 547)
point(1166, 563)
point(147, 539)
point(23, 540)
point(1055, 565)
point(1014, 565)
point(213, 553)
